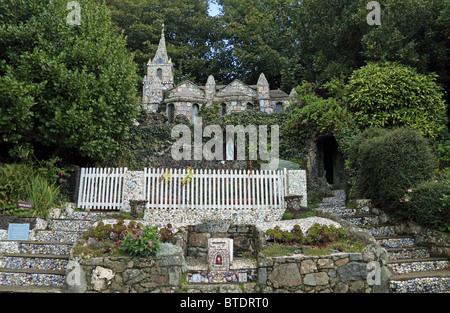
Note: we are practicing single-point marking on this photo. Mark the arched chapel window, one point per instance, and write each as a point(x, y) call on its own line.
point(159, 73)
point(279, 107)
point(195, 110)
point(171, 113)
point(223, 109)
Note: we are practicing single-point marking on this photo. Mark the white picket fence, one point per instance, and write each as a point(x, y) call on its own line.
point(214, 189)
point(102, 189)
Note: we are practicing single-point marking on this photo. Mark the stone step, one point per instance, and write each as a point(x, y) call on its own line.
point(331, 204)
point(38, 247)
point(418, 265)
point(80, 215)
point(340, 211)
point(34, 261)
point(29, 289)
point(421, 282)
point(363, 220)
point(69, 225)
point(380, 230)
point(407, 253)
point(58, 236)
point(395, 242)
point(31, 277)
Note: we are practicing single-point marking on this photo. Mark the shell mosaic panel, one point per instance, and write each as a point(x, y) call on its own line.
point(297, 185)
point(133, 188)
point(233, 276)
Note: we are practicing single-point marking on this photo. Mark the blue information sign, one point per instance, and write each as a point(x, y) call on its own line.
point(18, 232)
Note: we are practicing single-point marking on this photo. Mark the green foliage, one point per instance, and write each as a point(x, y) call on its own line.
point(44, 195)
point(25, 182)
point(15, 180)
point(63, 87)
point(428, 204)
point(321, 235)
point(287, 216)
point(190, 33)
point(390, 94)
point(312, 116)
point(385, 163)
point(166, 233)
point(295, 236)
point(115, 232)
point(141, 242)
point(317, 235)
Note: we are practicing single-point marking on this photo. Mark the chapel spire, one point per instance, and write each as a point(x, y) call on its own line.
point(161, 54)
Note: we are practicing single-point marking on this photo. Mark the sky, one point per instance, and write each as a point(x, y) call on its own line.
point(213, 8)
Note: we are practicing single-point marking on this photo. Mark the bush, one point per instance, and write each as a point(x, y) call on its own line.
point(14, 183)
point(141, 242)
point(43, 195)
point(427, 204)
point(390, 94)
point(23, 182)
point(385, 164)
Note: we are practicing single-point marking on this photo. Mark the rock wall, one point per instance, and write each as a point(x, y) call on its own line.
point(161, 273)
point(437, 242)
point(197, 239)
point(337, 273)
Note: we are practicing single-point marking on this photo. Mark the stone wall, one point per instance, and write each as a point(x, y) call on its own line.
point(336, 273)
point(197, 239)
point(161, 273)
point(437, 242)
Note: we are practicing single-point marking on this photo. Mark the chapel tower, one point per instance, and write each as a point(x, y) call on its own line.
point(159, 77)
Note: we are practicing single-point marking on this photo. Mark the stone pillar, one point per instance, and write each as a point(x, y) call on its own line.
point(296, 185)
point(133, 189)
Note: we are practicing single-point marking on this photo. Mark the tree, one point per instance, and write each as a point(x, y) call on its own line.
point(190, 33)
point(261, 40)
point(64, 89)
point(390, 94)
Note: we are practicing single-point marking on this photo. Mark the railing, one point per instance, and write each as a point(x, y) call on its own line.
point(103, 189)
point(214, 189)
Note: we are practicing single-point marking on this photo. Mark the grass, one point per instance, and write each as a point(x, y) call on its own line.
point(346, 244)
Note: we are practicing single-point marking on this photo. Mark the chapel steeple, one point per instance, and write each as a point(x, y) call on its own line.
point(159, 76)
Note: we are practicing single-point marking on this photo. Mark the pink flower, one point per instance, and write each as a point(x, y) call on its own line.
point(150, 243)
point(409, 190)
point(406, 200)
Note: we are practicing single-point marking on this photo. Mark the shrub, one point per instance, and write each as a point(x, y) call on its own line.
point(390, 94)
point(43, 195)
point(386, 165)
point(427, 204)
point(317, 235)
point(321, 235)
point(14, 183)
point(141, 242)
point(166, 233)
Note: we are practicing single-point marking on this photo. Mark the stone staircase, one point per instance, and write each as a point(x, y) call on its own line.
point(413, 268)
point(39, 265)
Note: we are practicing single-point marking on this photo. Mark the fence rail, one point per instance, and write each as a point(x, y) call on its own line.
point(103, 189)
point(213, 189)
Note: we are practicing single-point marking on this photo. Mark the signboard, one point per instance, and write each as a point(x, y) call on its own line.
point(24, 205)
point(18, 232)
